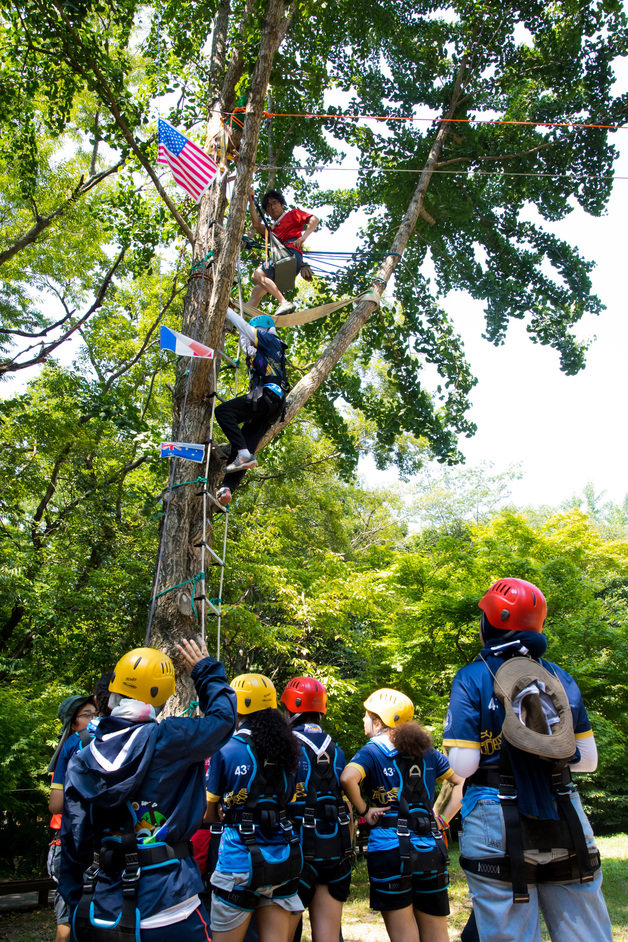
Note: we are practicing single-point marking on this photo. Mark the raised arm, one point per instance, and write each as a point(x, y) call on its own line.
point(258, 225)
point(243, 326)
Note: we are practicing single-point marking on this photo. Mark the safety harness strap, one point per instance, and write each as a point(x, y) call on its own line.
point(578, 840)
point(265, 808)
point(414, 792)
point(499, 868)
point(323, 802)
point(127, 925)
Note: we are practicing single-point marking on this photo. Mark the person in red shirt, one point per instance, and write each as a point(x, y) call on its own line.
point(292, 227)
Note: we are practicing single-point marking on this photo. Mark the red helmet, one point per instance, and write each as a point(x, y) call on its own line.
point(515, 605)
point(304, 695)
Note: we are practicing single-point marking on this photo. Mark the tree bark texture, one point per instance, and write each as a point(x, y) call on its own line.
point(204, 318)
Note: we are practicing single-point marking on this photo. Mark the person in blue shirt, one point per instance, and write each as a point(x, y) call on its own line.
point(75, 714)
point(319, 810)
point(250, 785)
point(133, 798)
point(526, 843)
point(407, 859)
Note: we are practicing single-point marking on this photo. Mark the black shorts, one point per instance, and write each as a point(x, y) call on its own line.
point(336, 876)
point(391, 889)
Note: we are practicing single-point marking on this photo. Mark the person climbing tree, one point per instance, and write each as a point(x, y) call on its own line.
point(291, 227)
point(515, 727)
point(252, 781)
point(319, 810)
point(134, 798)
point(407, 856)
point(262, 405)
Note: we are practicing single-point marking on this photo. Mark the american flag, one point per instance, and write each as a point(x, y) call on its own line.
point(191, 167)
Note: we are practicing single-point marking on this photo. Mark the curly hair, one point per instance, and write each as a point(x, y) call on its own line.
point(411, 740)
point(275, 745)
point(272, 195)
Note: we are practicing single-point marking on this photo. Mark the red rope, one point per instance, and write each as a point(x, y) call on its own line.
point(375, 117)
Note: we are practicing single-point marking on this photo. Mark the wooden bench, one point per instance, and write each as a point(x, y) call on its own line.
point(39, 885)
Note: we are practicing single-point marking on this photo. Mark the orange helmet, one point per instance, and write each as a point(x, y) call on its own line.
point(304, 695)
point(515, 605)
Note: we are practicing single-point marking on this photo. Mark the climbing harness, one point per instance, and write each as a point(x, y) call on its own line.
point(117, 855)
point(414, 816)
point(323, 804)
point(264, 811)
point(515, 684)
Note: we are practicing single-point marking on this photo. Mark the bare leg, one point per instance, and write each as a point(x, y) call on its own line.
point(264, 285)
point(401, 925)
point(63, 932)
point(275, 924)
point(325, 916)
point(431, 928)
point(232, 935)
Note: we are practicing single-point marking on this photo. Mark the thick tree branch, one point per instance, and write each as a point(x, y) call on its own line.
point(308, 385)
point(495, 157)
point(10, 366)
point(109, 99)
point(42, 222)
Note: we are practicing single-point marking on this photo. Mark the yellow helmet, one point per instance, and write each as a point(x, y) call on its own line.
point(255, 692)
point(393, 707)
point(144, 674)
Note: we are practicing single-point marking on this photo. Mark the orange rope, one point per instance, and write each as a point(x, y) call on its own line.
point(376, 117)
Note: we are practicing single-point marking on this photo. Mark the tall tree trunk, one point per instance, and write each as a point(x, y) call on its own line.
point(205, 307)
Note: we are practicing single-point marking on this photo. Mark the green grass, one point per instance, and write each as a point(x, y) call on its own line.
point(361, 924)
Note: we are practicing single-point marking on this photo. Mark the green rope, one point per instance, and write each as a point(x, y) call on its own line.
point(190, 710)
point(198, 266)
point(198, 480)
point(214, 601)
point(193, 580)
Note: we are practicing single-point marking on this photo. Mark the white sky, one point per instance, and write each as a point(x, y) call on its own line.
point(563, 432)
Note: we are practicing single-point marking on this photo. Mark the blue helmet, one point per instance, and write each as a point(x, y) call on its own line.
point(265, 321)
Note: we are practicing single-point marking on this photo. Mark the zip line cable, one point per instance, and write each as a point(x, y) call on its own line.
point(439, 120)
point(468, 170)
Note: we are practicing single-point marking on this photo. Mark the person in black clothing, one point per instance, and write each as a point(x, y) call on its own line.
point(261, 406)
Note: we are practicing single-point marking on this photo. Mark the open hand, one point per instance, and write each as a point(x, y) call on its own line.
point(192, 652)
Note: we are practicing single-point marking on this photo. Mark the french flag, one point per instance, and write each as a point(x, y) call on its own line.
point(183, 346)
point(187, 450)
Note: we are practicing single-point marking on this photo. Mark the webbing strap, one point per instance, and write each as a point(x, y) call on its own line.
point(313, 313)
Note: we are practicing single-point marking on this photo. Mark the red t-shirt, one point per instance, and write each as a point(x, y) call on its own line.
point(290, 225)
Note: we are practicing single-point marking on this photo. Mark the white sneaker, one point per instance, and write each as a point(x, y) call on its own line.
point(241, 464)
point(286, 307)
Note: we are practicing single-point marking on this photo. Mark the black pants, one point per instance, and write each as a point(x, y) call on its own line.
point(256, 417)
